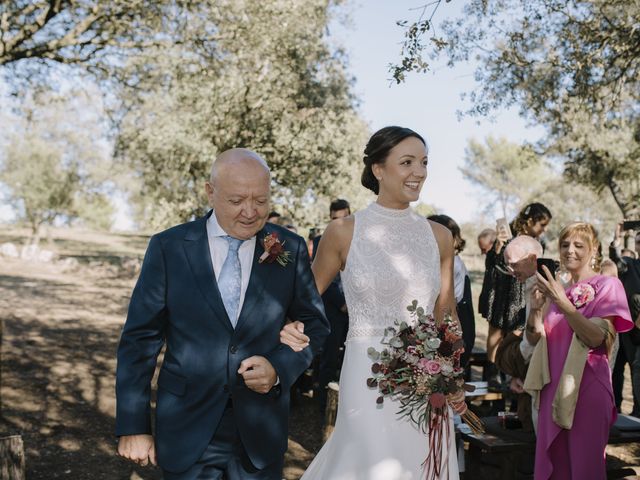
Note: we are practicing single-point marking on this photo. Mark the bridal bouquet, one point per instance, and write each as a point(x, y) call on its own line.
point(420, 367)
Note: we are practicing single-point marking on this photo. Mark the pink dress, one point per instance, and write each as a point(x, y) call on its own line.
point(579, 453)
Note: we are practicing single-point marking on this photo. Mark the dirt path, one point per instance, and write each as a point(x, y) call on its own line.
point(60, 333)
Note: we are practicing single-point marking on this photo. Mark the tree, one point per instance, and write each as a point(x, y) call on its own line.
point(570, 202)
point(507, 172)
point(55, 163)
point(561, 63)
point(424, 209)
point(602, 151)
point(87, 33)
point(38, 181)
point(515, 176)
point(269, 82)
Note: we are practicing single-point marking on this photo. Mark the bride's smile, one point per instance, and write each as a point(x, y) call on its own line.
point(403, 173)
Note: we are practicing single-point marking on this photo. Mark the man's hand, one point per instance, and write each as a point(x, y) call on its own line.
point(258, 373)
point(138, 448)
point(293, 335)
point(516, 385)
point(537, 300)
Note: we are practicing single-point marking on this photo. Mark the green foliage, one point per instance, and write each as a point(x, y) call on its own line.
point(569, 202)
point(39, 182)
point(424, 209)
point(603, 151)
point(40, 33)
point(55, 161)
point(505, 171)
point(93, 210)
point(266, 80)
point(515, 175)
point(413, 47)
point(187, 80)
point(573, 67)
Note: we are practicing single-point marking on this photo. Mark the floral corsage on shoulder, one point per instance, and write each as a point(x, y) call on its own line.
point(581, 294)
point(274, 250)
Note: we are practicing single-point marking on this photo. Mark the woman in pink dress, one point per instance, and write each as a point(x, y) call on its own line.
point(591, 307)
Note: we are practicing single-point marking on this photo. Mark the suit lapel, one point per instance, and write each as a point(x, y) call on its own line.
point(196, 246)
point(257, 280)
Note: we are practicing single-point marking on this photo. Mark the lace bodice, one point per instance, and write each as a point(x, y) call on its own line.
point(393, 259)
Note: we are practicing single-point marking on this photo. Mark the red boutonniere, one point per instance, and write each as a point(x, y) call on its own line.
point(274, 251)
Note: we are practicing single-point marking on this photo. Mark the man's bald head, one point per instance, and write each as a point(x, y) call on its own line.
point(521, 256)
point(238, 158)
point(238, 191)
point(520, 247)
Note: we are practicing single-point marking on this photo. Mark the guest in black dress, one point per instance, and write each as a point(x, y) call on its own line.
point(502, 299)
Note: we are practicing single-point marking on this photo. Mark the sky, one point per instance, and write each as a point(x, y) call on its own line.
point(426, 103)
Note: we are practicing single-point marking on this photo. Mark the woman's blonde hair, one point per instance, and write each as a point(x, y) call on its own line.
point(589, 234)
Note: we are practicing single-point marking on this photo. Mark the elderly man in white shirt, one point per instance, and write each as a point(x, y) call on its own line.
point(521, 256)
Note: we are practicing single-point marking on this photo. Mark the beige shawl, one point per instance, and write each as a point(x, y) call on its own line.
point(564, 401)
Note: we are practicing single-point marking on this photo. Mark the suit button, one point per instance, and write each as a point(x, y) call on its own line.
point(233, 349)
point(226, 388)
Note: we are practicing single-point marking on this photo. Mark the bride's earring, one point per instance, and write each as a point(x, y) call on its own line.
point(593, 263)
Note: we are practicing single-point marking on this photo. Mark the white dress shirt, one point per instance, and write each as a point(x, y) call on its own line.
point(219, 247)
point(526, 349)
point(459, 274)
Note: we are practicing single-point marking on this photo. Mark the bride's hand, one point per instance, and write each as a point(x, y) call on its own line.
point(293, 335)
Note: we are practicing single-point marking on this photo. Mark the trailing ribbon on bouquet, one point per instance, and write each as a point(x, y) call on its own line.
point(420, 368)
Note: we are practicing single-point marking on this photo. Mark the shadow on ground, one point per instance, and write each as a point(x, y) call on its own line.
point(59, 336)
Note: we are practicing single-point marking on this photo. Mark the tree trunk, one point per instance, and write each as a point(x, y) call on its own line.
point(12, 458)
point(35, 233)
point(628, 203)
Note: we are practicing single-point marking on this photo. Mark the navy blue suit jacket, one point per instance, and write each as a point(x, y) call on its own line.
point(176, 302)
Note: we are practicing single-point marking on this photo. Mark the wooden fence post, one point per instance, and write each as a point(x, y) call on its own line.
point(12, 458)
point(332, 409)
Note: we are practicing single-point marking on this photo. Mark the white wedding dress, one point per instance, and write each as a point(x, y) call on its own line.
point(393, 259)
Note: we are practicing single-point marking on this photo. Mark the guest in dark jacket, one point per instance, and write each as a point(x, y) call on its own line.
point(336, 309)
point(629, 275)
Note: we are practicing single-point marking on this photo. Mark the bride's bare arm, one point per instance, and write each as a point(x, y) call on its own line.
point(446, 300)
point(332, 251)
point(329, 260)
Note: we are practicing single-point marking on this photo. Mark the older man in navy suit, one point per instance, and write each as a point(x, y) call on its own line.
point(216, 292)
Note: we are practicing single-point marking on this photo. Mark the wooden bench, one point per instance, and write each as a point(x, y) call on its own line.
point(482, 392)
point(513, 450)
point(478, 358)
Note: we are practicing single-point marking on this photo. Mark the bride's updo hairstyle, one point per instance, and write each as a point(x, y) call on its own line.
point(587, 233)
point(377, 150)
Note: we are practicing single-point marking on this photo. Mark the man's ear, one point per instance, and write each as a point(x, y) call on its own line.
point(208, 187)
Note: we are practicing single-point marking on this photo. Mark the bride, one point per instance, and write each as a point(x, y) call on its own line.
point(388, 256)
